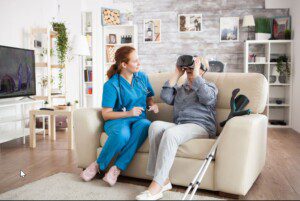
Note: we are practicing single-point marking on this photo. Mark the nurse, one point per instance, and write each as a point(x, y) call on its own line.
point(126, 96)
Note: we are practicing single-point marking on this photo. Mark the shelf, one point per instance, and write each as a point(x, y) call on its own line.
point(57, 66)
point(256, 63)
point(274, 63)
point(40, 97)
point(13, 119)
point(18, 102)
point(58, 96)
point(88, 82)
point(88, 95)
point(42, 64)
point(278, 105)
point(278, 126)
point(15, 134)
point(279, 84)
point(119, 26)
point(119, 44)
point(268, 41)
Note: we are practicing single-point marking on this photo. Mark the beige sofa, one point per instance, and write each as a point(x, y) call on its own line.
point(240, 155)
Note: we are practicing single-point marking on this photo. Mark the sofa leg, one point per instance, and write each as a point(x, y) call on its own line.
point(230, 196)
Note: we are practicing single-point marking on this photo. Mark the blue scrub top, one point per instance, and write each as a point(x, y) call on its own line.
point(134, 95)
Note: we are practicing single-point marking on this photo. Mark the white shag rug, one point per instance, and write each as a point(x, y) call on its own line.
point(66, 186)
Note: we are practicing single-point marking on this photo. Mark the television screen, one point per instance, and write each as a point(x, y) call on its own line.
point(17, 72)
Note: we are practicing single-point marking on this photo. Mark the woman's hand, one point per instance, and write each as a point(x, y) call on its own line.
point(154, 108)
point(136, 111)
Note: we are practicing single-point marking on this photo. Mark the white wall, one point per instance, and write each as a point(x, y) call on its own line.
point(16, 16)
point(294, 6)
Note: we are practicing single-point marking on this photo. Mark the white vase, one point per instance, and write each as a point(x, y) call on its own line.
point(262, 36)
point(89, 29)
point(43, 91)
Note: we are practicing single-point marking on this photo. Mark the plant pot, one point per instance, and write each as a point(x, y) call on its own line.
point(262, 36)
point(89, 63)
point(76, 105)
point(89, 29)
point(282, 79)
point(272, 78)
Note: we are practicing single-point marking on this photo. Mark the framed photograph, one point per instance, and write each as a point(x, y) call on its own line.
point(189, 23)
point(110, 16)
point(152, 31)
point(112, 38)
point(229, 29)
point(280, 25)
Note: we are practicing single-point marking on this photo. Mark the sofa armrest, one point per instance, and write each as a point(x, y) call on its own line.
point(241, 153)
point(88, 125)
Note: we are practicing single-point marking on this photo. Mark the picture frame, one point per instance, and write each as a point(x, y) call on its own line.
point(189, 23)
point(110, 16)
point(280, 25)
point(229, 29)
point(112, 39)
point(152, 31)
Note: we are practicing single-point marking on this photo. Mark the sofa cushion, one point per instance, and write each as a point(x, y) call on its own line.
point(194, 149)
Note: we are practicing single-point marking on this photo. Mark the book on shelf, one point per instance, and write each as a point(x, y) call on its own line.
point(88, 75)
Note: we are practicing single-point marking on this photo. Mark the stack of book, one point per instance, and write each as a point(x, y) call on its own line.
point(88, 75)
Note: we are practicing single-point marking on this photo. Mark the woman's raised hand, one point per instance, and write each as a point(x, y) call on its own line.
point(136, 111)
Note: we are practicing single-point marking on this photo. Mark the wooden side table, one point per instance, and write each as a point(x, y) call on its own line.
point(51, 125)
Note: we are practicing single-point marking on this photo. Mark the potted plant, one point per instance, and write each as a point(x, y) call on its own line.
point(288, 34)
point(88, 27)
point(262, 29)
point(46, 104)
point(282, 67)
point(76, 103)
point(62, 45)
point(89, 61)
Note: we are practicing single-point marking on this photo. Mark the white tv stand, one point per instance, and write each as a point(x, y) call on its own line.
point(14, 118)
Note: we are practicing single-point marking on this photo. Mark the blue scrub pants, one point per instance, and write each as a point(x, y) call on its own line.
point(125, 136)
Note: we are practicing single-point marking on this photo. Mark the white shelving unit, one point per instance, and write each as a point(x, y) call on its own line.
point(119, 31)
point(14, 118)
point(92, 65)
point(271, 49)
point(47, 67)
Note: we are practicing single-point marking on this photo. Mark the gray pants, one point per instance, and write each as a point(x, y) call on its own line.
point(165, 139)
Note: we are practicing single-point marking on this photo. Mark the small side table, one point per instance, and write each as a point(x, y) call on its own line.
point(51, 124)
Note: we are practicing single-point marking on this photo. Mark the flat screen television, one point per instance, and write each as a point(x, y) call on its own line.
point(17, 72)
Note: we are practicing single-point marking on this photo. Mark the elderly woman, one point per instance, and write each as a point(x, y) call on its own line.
point(194, 117)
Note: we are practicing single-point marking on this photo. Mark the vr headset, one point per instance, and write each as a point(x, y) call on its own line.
point(188, 61)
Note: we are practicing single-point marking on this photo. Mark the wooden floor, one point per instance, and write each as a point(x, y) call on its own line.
point(280, 178)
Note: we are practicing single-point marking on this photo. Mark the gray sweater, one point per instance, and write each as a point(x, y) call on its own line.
point(193, 105)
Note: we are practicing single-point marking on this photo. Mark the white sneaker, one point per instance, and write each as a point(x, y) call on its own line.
point(167, 187)
point(146, 195)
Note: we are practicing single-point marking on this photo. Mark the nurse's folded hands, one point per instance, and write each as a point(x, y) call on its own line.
point(136, 111)
point(154, 108)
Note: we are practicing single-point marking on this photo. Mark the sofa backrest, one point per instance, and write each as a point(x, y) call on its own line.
point(253, 85)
